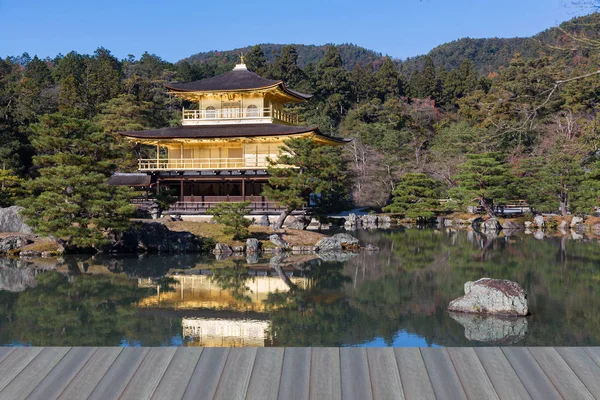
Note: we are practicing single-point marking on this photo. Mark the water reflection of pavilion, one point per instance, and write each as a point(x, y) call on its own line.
point(232, 320)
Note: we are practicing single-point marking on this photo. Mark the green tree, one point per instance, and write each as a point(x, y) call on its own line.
point(388, 83)
point(70, 198)
point(11, 187)
point(233, 216)
point(256, 61)
point(307, 173)
point(415, 196)
point(483, 178)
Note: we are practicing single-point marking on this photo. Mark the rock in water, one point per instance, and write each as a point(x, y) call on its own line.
point(576, 221)
point(491, 225)
point(252, 246)
point(279, 242)
point(538, 221)
point(492, 329)
point(328, 244)
point(346, 240)
point(512, 226)
point(222, 248)
point(11, 221)
point(492, 296)
point(12, 243)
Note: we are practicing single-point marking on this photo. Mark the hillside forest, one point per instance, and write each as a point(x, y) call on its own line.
point(472, 121)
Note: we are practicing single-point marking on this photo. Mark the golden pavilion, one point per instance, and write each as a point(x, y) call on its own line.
point(219, 152)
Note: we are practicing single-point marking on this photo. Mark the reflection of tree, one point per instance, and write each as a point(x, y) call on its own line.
point(234, 279)
point(315, 316)
point(89, 310)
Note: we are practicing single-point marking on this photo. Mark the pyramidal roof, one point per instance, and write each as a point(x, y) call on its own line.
point(240, 78)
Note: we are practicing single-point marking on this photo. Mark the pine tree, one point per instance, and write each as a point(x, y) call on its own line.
point(318, 178)
point(256, 61)
point(71, 199)
point(388, 83)
point(484, 178)
point(415, 196)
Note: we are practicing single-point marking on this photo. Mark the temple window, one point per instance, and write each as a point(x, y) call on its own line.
point(252, 111)
point(210, 112)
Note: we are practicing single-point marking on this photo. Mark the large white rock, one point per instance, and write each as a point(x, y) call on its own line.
point(491, 296)
point(576, 221)
point(11, 221)
point(538, 221)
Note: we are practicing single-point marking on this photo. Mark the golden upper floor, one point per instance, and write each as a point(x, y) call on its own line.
point(238, 96)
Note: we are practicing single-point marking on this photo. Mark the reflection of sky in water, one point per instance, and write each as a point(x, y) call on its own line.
point(402, 339)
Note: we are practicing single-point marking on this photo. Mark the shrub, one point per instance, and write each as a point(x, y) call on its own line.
point(232, 215)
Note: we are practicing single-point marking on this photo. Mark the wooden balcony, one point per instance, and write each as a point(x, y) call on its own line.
point(236, 116)
point(200, 164)
point(201, 204)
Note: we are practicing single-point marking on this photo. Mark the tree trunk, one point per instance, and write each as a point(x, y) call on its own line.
point(284, 214)
point(488, 207)
point(563, 203)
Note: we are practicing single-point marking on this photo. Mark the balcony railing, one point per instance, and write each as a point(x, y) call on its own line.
point(196, 164)
point(238, 113)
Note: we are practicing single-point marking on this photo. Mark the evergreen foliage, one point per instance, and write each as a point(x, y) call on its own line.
point(318, 176)
point(415, 196)
point(233, 216)
point(71, 199)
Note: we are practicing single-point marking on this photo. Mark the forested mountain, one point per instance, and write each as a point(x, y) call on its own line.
point(350, 53)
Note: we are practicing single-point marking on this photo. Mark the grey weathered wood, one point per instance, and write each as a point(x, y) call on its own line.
point(560, 374)
point(266, 373)
point(356, 381)
point(24, 383)
point(91, 373)
point(14, 363)
point(295, 374)
point(594, 353)
point(385, 377)
point(442, 374)
point(531, 374)
point(57, 380)
point(325, 374)
point(472, 375)
point(583, 366)
point(413, 374)
point(119, 374)
point(507, 384)
point(177, 377)
point(236, 374)
point(149, 373)
point(205, 379)
point(5, 352)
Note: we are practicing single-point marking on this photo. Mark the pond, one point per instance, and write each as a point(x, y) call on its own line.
point(395, 297)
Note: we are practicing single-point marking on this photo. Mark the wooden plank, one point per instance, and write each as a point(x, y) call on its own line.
point(472, 375)
point(533, 377)
point(92, 372)
point(14, 363)
point(413, 374)
point(61, 375)
point(266, 374)
point(583, 366)
point(118, 375)
point(149, 373)
point(356, 381)
point(442, 374)
point(594, 353)
point(507, 384)
point(24, 383)
point(236, 374)
point(385, 377)
point(295, 374)
point(5, 352)
point(560, 374)
point(205, 379)
point(325, 374)
point(178, 375)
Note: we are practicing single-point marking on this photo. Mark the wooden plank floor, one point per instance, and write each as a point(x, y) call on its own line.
point(300, 373)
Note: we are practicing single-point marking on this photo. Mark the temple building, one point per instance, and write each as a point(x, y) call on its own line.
point(220, 151)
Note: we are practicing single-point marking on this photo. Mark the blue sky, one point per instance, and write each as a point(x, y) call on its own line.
point(177, 29)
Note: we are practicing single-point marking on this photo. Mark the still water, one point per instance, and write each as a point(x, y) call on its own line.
point(396, 297)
